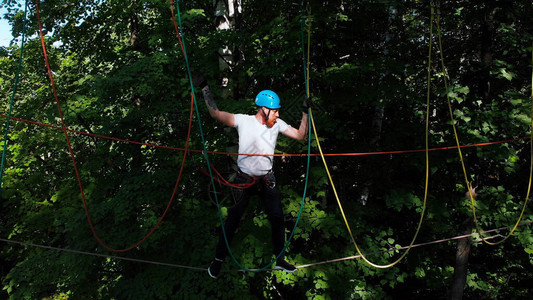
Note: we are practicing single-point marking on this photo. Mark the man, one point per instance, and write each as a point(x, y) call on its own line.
point(257, 135)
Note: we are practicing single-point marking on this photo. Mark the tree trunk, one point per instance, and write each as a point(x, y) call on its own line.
point(461, 261)
point(487, 33)
point(379, 110)
point(228, 14)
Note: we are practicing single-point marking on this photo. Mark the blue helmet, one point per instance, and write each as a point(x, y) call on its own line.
point(268, 99)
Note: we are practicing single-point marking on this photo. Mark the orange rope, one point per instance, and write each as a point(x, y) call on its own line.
point(250, 154)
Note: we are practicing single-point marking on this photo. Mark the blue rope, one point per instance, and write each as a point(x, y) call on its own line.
point(211, 174)
point(13, 97)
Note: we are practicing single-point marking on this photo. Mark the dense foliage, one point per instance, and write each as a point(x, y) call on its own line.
point(120, 73)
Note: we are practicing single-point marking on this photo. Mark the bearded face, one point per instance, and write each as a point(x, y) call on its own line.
point(270, 116)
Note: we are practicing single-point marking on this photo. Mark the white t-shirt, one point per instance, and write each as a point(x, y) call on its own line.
point(256, 138)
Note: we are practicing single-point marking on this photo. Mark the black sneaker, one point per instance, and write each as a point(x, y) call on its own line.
point(214, 268)
point(282, 264)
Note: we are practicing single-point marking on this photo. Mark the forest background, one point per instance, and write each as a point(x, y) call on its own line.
point(120, 72)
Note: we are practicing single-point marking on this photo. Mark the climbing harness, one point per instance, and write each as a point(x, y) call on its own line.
point(220, 179)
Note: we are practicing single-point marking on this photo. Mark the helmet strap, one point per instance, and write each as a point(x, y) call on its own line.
point(267, 117)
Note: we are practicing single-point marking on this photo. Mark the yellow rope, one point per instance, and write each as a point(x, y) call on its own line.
point(427, 170)
point(468, 184)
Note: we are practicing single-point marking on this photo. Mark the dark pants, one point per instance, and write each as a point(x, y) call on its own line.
point(271, 199)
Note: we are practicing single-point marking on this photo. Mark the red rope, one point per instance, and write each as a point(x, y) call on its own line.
point(220, 179)
point(249, 154)
point(176, 26)
point(65, 130)
point(98, 135)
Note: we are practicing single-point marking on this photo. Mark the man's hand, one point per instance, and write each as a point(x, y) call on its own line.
point(308, 103)
point(198, 80)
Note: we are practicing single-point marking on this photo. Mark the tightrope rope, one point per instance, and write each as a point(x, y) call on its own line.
point(71, 152)
point(13, 95)
point(99, 255)
point(434, 242)
point(414, 246)
point(426, 177)
point(468, 183)
point(206, 155)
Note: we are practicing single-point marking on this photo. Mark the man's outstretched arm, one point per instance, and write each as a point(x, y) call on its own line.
point(300, 133)
point(226, 118)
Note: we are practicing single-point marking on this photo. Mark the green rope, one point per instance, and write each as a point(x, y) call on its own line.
point(211, 174)
point(13, 97)
point(302, 23)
